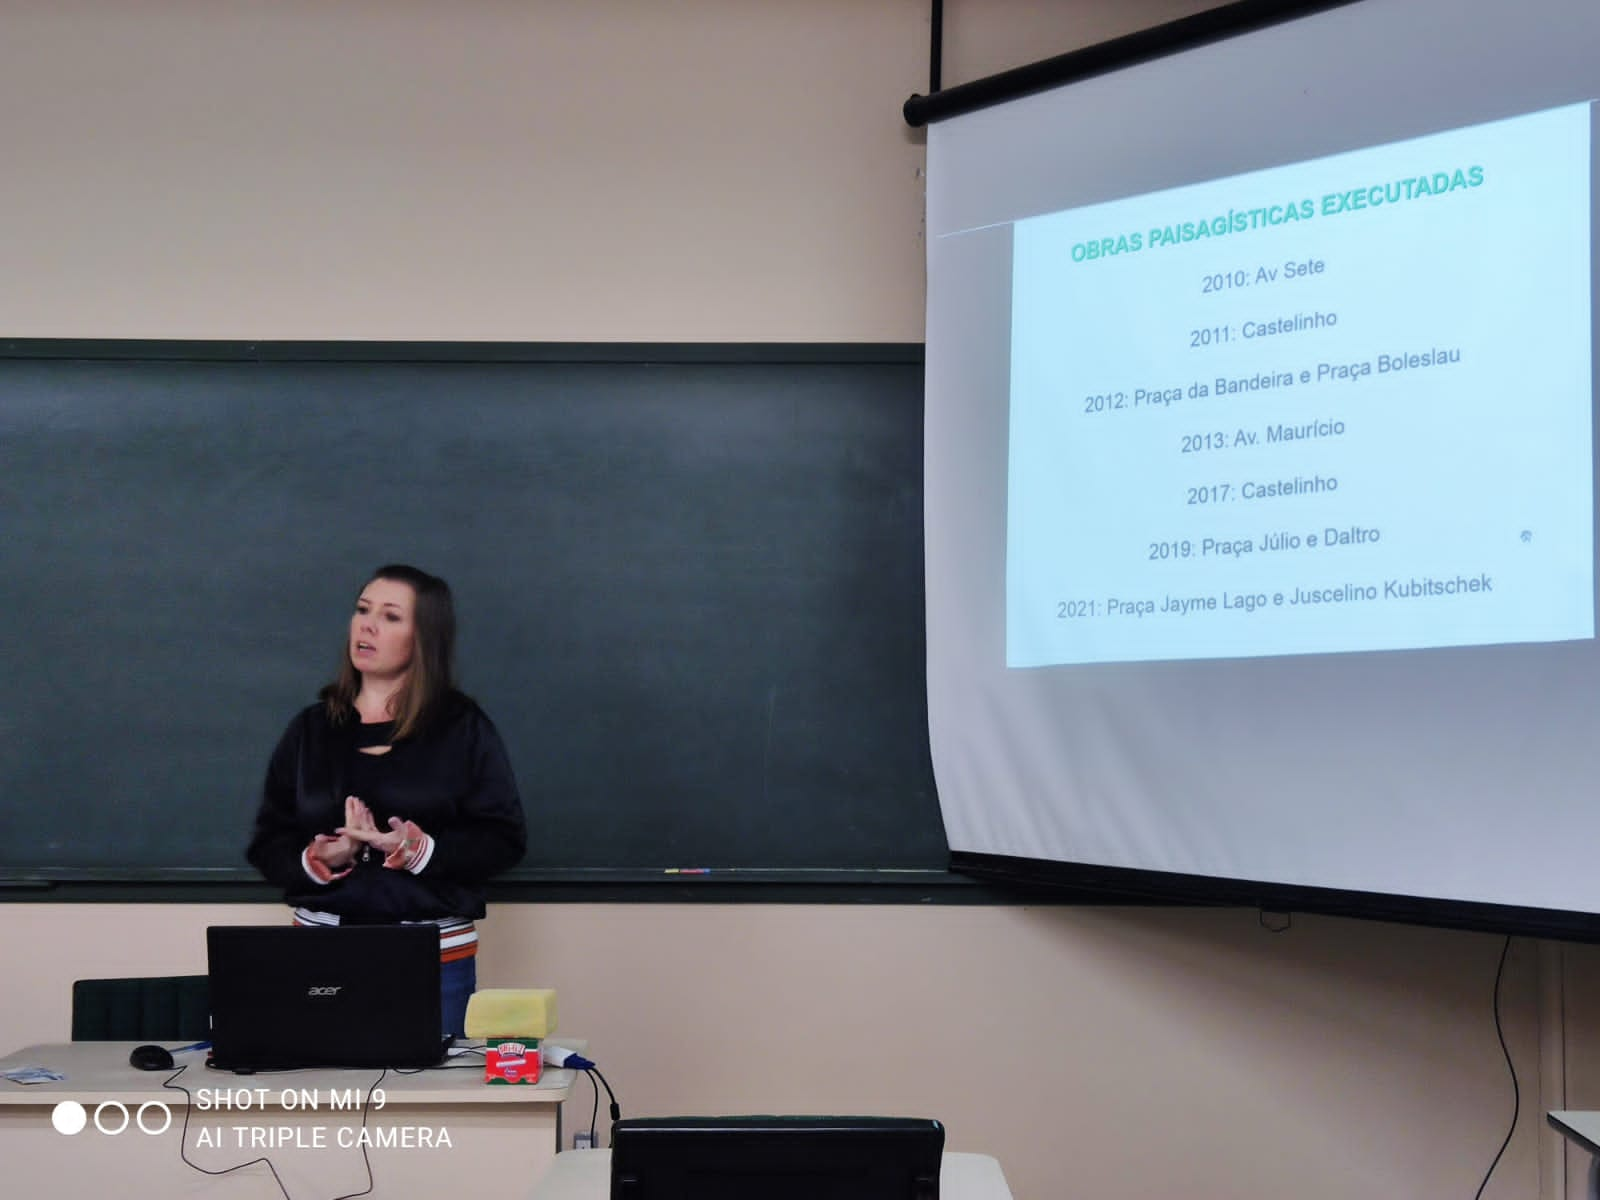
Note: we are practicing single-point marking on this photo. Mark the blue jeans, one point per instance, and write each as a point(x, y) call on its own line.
point(457, 981)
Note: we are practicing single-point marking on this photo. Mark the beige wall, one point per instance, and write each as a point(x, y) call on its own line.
point(1107, 1053)
point(726, 170)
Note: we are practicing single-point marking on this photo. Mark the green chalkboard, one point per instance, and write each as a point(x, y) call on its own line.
point(689, 581)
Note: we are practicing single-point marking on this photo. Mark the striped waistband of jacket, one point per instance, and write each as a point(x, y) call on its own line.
point(458, 936)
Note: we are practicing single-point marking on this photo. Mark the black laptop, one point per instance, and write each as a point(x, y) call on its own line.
point(776, 1158)
point(285, 996)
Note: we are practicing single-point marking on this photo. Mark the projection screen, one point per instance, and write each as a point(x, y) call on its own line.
point(1260, 506)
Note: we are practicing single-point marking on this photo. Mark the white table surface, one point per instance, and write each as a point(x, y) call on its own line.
point(1580, 1127)
point(430, 1130)
point(100, 1071)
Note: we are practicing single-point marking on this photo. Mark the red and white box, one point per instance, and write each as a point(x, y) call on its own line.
point(512, 1062)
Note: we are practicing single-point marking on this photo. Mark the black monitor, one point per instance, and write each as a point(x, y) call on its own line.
point(776, 1158)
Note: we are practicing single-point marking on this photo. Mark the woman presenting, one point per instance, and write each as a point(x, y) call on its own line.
point(392, 799)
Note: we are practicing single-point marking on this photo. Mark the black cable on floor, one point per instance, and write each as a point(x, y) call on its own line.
point(1516, 1092)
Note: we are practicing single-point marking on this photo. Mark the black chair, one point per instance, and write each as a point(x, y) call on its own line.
point(172, 1008)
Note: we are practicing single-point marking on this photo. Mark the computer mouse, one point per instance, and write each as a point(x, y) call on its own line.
point(151, 1058)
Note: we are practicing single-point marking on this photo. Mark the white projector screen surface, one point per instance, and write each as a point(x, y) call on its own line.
point(1257, 422)
point(1260, 460)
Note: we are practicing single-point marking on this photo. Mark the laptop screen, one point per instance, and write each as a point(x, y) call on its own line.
point(285, 996)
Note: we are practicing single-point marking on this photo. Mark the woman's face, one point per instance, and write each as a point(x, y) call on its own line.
point(382, 629)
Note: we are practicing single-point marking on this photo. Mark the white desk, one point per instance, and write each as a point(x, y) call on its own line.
point(435, 1131)
point(1580, 1127)
point(586, 1175)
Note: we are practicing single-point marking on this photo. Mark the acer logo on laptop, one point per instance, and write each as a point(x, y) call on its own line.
point(322, 991)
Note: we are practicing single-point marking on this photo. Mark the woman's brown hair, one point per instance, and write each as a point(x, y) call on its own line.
point(432, 674)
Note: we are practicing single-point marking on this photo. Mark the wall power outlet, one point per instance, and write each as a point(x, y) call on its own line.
point(583, 1140)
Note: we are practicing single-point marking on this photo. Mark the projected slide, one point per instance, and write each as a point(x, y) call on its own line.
point(1334, 406)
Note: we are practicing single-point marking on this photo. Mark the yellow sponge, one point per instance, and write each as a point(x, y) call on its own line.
point(512, 1012)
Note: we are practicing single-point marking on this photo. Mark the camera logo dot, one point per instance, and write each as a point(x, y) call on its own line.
point(68, 1117)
